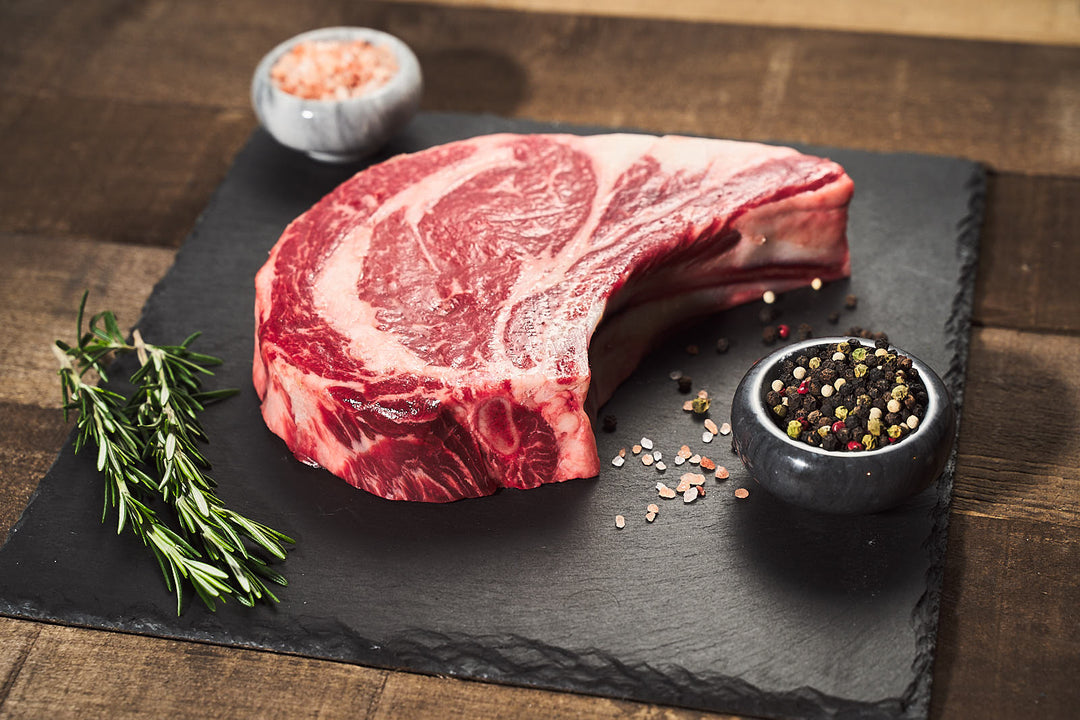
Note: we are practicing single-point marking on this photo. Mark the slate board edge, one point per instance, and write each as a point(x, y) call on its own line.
point(670, 684)
point(927, 610)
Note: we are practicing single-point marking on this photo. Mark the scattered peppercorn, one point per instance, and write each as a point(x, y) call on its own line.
point(686, 383)
point(723, 345)
point(610, 423)
point(851, 302)
point(783, 331)
point(768, 335)
point(834, 317)
point(847, 396)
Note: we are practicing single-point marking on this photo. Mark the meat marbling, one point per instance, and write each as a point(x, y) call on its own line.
point(425, 330)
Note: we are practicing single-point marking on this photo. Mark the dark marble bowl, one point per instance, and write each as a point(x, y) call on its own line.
point(836, 482)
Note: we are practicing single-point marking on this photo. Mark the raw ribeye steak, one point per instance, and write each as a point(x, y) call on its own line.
point(425, 330)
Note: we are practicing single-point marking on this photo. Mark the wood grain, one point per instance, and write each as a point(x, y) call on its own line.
point(30, 438)
point(1029, 255)
point(41, 284)
point(1008, 642)
point(1019, 457)
point(113, 171)
point(1041, 21)
point(75, 673)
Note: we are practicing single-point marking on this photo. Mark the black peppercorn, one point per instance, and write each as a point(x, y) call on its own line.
point(686, 383)
point(723, 345)
point(768, 335)
point(610, 423)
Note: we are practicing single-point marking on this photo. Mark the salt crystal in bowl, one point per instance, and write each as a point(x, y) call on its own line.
point(837, 482)
point(339, 130)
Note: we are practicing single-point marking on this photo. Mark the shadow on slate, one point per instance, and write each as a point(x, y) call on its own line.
point(735, 606)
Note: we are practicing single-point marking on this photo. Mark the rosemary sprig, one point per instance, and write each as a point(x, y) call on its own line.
point(157, 430)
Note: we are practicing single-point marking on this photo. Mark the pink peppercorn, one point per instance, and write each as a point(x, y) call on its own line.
point(854, 445)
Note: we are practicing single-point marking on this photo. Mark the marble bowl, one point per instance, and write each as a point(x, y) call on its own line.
point(339, 130)
point(846, 483)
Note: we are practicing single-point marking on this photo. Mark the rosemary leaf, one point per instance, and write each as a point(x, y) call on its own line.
point(147, 452)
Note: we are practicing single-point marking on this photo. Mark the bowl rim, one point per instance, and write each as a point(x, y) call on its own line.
point(402, 53)
point(761, 370)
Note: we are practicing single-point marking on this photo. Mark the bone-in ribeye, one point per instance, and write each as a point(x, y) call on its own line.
point(425, 330)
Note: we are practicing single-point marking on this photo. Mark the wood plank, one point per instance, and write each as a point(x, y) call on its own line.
point(78, 673)
point(1018, 447)
point(30, 438)
point(112, 170)
point(1008, 642)
point(1037, 21)
point(16, 640)
point(1011, 106)
point(420, 697)
point(1029, 256)
point(41, 283)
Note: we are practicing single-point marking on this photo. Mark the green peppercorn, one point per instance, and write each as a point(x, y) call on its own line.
point(815, 362)
point(873, 426)
point(894, 431)
point(841, 413)
point(823, 430)
point(780, 410)
point(859, 354)
point(900, 392)
point(860, 370)
point(794, 428)
point(700, 405)
point(843, 347)
point(869, 441)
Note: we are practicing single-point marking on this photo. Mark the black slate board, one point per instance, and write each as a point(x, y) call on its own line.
point(739, 606)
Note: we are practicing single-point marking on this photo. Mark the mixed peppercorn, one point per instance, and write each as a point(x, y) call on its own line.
point(848, 396)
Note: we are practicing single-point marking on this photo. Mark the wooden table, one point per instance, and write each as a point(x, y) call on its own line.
point(119, 119)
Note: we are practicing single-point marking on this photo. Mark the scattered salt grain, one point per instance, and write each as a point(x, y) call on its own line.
point(695, 459)
point(650, 516)
point(684, 452)
point(707, 464)
point(675, 374)
point(722, 473)
point(660, 467)
point(688, 406)
point(710, 426)
point(636, 449)
point(657, 455)
point(679, 459)
point(706, 437)
point(620, 522)
point(725, 429)
point(690, 495)
point(646, 443)
point(618, 461)
point(653, 508)
point(646, 460)
point(664, 491)
point(742, 493)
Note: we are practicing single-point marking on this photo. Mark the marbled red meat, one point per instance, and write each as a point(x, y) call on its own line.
point(425, 331)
